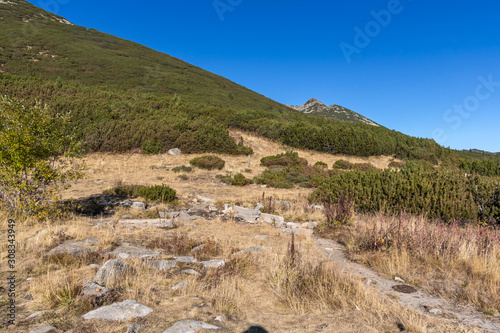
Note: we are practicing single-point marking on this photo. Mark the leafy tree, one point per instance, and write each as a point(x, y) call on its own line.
point(36, 157)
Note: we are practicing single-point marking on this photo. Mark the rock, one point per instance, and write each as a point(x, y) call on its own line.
point(190, 326)
point(92, 289)
point(146, 223)
point(247, 215)
point(311, 225)
point(124, 252)
point(126, 216)
point(252, 249)
point(126, 310)
point(112, 271)
point(190, 271)
point(496, 315)
point(134, 328)
point(75, 248)
point(198, 248)
point(228, 208)
point(182, 217)
point(369, 282)
point(271, 219)
point(219, 319)
point(205, 199)
point(134, 204)
point(399, 279)
point(261, 237)
point(259, 206)
point(213, 209)
point(292, 225)
point(44, 329)
point(174, 152)
point(215, 263)
point(185, 259)
point(35, 315)
point(180, 285)
point(435, 311)
point(162, 265)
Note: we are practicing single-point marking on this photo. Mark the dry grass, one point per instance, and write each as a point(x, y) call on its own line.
point(461, 263)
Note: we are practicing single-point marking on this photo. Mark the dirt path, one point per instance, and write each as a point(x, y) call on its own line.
point(419, 300)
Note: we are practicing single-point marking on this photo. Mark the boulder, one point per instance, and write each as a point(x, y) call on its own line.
point(92, 289)
point(124, 252)
point(190, 326)
point(75, 248)
point(215, 263)
point(271, 219)
point(134, 204)
point(185, 259)
point(174, 152)
point(180, 285)
point(248, 216)
point(126, 310)
point(111, 272)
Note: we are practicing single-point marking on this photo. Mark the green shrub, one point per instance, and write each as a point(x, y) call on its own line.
point(283, 184)
point(397, 165)
point(363, 166)
point(208, 162)
point(240, 180)
point(343, 165)
point(182, 177)
point(321, 165)
point(287, 159)
point(227, 179)
point(182, 168)
point(125, 191)
point(158, 193)
point(152, 147)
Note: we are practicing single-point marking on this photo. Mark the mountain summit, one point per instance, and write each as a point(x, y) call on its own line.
point(337, 112)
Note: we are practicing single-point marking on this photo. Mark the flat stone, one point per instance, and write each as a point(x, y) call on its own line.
point(205, 199)
point(75, 248)
point(93, 289)
point(248, 216)
point(190, 326)
point(35, 315)
point(126, 310)
point(134, 328)
point(174, 152)
point(215, 263)
point(186, 259)
point(134, 204)
point(146, 223)
point(183, 217)
point(251, 249)
point(112, 271)
point(271, 219)
point(44, 329)
point(180, 285)
point(124, 252)
point(198, 248)
point(292, 225)
point(190, 271)
point(163, 265)
point(399, 279)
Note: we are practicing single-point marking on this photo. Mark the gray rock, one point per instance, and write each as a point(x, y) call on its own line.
point(124, 252)
point(35, 315)
point(190, 326)
point(259, 206)
point(134, 204)
point(213, 209)
point(292, 225)
point(180, 285)
point(145, 223)
point(183, 217)
point(185, 259)
point(112, 271)
point(205, 199)
point(126, 310)
point(174, 152)
point(190, 271)
point(435, 311)
point(163, 265)
point(219, 318)
point(271, 219)
point(261, 237)
point(198, 248)
point(126, 216)
point(44, 329)
point(134, 328)
point(248, 216)
point(252, 249)
point(92, 289)
point(215, 263)
point(75, 248)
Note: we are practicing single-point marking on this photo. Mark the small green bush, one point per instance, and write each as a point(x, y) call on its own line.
point(152, 147)
point(183, 177)
point(227, 179)
point(398, 165)
point(158, 193)
point(208, 162)
point(182, 168)
point(343, 165)
point(321, 165)
point(240, 180)
point(124, 191)
point(287, 159)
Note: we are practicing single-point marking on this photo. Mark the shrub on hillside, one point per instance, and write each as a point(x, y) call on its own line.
point(321, 165)
point(182, 168)
point(240, 180)
point(343, 165)
point(124, 190)
point(157, 193)
point(208, 162)
point(152, 147)
point(287, 159)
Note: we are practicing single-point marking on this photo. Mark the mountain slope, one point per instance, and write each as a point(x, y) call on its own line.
point(336, 112)
point(40, 44)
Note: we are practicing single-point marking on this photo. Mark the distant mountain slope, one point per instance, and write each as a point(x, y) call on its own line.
point(337, 112)
point(36, 43)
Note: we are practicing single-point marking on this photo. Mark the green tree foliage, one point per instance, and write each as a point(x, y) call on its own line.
point(36, 154)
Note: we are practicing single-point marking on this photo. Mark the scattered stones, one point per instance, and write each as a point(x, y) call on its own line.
point(174, 152)
point(134, 328)
point(190, 271)
point(398, 279)
point(180, 285)
point(92, 289)
point(190, 326)
point(213, 209)
point(215, 263)
point(112, 271)
point(126, 310)
point(252, 249)
point(186, 259)
point(403, 288)
point(75, 248)
point(124, 252)
point(247, 215)
point(162, 265)
point(35, 315)
point(44, 329)
point(271, 219)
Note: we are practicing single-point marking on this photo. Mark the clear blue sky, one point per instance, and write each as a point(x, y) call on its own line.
point(425, 68)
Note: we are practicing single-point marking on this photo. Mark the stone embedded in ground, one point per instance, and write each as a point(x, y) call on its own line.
point(190, 271)
point(45, 329)
point(248, 216)
point(215, 263)
point(146, 223)
point(435, 311)
point(270, 218)
point(219, 318)
point(185, 259)
point(75, 248)
point(92, 289)
point(399, 279)
point(162, 265)
point(126, 216)
point(111, 272)
point(124, 252)
point(174, 152)
point(292, 225)
point(134, 204)
point(198, 248)
point(183, 217)
point(134, 328)
point(180, 285)
point(403, 288)
point(251, 249)
point(190, 326)
point(35, 315)
point(126, 310)
point(205, 199)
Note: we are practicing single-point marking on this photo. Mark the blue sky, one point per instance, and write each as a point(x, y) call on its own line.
point(425, 68)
